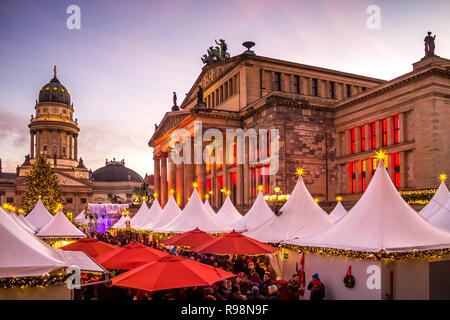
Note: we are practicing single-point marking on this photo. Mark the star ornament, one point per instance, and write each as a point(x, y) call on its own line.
point(339, 198)
point(260, 188)
point(443, 177)
point(194, 184)
point(299, 172)
point(381, 155)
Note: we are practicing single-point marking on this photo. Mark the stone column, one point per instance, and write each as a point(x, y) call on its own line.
point(32, 144)
point(70, 146)
point(403, 175)
point(367, 129)
point(163, 179)
point(189, 174)
point(389, 124)
point(401, 128)
point(157, 177)
point(172, 178)
point(38, 142)
point(75, 148)
point(378, 129)
point(180, 184)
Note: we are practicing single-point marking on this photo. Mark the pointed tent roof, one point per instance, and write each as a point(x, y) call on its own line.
point(140, 214)
point(436, 202)
point(60, 227)
point(122, 222)
point(441, 218)
point(338, 211)
point(208, 207)
point(228, 213)
point(20, 223)
point(380, 220)
point(39, 216)
point(258, 214)
point(22, 254)
point(151, 214)
point(79, 218)
point(195, 215)
point(170, 211)
point(21, 217)
point(300, 216)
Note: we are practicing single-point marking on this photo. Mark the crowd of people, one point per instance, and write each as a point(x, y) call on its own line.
point(255, 280)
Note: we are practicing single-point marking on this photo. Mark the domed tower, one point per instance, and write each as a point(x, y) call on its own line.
point(53, 131)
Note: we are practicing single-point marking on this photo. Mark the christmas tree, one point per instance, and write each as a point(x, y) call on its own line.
point(41, 182)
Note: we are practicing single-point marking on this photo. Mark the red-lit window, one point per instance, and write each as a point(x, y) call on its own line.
point(362, 177)
point(220, 187)
point(233, 185)
point(362, 134)
point(208, 185)
point(265, 178)
point(395, 130)
point(395, 164)
point(352, 176)
point(268, 143)
point(352, 139)
point(373, 135)
point(384, 134)
point(260, 176)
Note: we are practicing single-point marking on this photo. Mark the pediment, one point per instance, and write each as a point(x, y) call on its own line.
point(69, 181)
point(170, 120)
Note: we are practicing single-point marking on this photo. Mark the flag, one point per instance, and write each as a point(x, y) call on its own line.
point(301, 277)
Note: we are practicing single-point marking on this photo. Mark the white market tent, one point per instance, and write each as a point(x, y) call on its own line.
point(60, 227)
point(300, 216)
point(436, 202)
point(39, 216)
point(16, 218)
point(338, 211)
point(122, 222)
point(258, 214)
point(154, 211)
point(80, 218)
point(170, 211)
point(380, 220)
point(22, 254)
point(24, 221)
point(208, 207)
point(140, 214)
point(228, 213)
point(441, 218)
point(195, 215)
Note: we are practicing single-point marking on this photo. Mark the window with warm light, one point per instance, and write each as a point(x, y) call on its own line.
point(352, 140)
point(395, 164)
point(384, 134)
point(395, 130)
point(373, 166)
point(220, 187)
point(362, 141)
point(233, 185)
point(362, 177)
point(373, 135)
point(352, 176)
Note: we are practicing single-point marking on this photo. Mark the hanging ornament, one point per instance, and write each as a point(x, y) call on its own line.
point(349, 280)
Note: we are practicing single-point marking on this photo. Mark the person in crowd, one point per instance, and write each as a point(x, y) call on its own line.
point(255, 295)
point(272, 292)
point(236, 293)
point(264, 286)
point(259, 269)
point(317, 288)
point(255, 279)
point(292, 288)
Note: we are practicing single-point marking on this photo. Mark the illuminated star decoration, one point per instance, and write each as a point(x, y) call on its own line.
point(260, 188)
point(339, 198)
point(381, 155)
point(195, 184)
point(155, 195)
point(443, 177)
point(299, 172)
point(59, 206)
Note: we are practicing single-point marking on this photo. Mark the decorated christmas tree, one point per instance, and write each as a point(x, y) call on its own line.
point(41, 182)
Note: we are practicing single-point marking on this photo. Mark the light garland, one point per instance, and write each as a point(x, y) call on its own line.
point(419, 197)
point(26, 282)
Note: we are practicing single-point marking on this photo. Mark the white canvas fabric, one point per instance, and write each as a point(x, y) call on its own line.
point(154, 211)
point(380, 220)
point(122, 222)
point(79, 218)
point(39, 216)
point(170, 211)
point(436, 202)
point(140, 214)
point(16, 218)
point(26, 223)
point(300, 216)
point(82, 261)
point(228, 214)
point(22, 254)
point(60, 227)
point(195, 215)
point(441, 218)
point(258, 214)
point(209, 208)
point(338, 211)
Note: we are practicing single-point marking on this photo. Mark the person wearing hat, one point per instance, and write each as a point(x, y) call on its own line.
point(317, 288)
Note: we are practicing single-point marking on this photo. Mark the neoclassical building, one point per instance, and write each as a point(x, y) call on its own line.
point(54, 132)
point(330, 123)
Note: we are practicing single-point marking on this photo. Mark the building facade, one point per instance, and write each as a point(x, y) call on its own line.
point(330, 123)
point(54, 133)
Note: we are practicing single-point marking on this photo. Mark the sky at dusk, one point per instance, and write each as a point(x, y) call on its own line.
point(122, 66)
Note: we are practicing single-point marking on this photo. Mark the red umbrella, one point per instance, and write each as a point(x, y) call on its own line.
point(170, 272)
point(234, 243)
point(189, 239)
point(129, 256)
point(90, 246)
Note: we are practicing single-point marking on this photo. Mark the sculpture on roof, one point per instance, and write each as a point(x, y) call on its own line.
point(216, 53)
point(429, 44)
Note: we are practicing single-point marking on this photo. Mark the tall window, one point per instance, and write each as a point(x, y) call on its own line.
point(395, 130)
point(362, 135)
point(373, 135)
point(395, 164)
point(352, 176)
point(254, 181)
point(352, 139)
point(373, 166)
point(220, 160)
point(217, 97)
point(220, 187)
point(231, 87)
point(233, 185)
point(221, 94)
point(296, 84)
point(362, 177)
point(384, 134)
point(331, 88)
point(348, 90)
point(277, 81)
point(314, 88)
point(225, 90)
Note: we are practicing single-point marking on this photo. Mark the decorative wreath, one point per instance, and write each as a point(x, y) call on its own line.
point(349, 281)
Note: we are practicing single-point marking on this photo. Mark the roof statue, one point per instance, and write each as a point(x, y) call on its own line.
point(216, 53)
point(429, 44)
point(175, 106)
